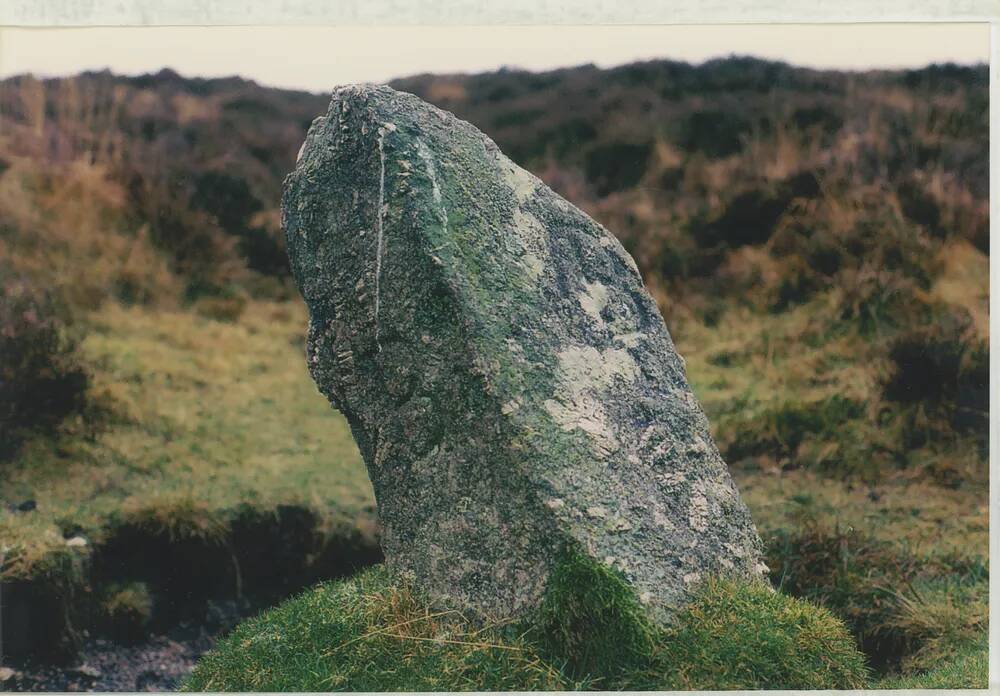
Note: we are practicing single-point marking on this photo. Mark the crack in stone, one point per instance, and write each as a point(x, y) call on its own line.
point(380, 239)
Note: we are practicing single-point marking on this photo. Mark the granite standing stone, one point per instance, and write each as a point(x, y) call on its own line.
point(510, 383)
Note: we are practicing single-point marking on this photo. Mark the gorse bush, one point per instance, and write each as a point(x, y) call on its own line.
point(42, 380)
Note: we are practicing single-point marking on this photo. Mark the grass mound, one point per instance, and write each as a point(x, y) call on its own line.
point(367, 634)
point(750, 637)
point(370, 633)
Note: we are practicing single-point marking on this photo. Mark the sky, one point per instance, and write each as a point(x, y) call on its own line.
point(320, 58)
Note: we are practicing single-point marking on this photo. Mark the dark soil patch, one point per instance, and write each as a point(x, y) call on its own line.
point(160, 663)
point(123, 604)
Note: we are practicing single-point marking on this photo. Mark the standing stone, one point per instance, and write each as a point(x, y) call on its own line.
point(510, 383)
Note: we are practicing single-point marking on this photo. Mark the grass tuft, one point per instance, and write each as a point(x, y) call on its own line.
point(177, 516)
point(966, 668)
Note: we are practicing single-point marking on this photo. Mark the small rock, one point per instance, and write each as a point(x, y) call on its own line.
point(597, 512)
point(27, 506)
point(71, 531)
point(77, 541)
point(86, 671)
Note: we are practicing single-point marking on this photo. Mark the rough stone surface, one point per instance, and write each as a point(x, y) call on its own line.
point(510, 384)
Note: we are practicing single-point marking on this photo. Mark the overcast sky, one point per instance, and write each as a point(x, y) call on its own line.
point(319, 58)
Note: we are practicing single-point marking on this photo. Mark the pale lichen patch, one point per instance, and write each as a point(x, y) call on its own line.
point(629, 340)
point(594, 299)
point(671, 479)
point(584, 373)
point(619, 525)
point(522, 183)
point(533, 265)
point(661, 520)
point(584, 368)
point(534, 238)
point(509, 407)
point(698, 508)
point(585, 413)
point(596, 512)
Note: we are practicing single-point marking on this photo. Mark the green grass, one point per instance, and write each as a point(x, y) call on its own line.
point(890, 537)
point(750, 637)
point(369, 633)
point(804, 389)
point(206, 417)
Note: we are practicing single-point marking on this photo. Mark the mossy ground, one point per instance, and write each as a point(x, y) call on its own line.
point(370, 633)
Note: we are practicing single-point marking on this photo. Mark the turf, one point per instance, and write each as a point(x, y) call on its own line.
point(375, 633)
